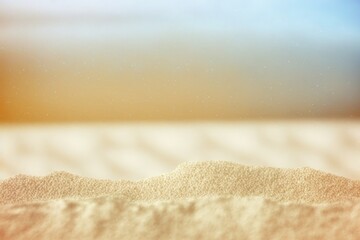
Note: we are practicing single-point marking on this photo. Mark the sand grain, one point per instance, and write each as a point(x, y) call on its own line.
point(203, 200)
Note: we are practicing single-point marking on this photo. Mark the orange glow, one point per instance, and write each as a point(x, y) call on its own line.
point(134, 66)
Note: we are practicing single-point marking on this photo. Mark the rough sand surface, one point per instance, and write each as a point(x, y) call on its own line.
point(203, 200)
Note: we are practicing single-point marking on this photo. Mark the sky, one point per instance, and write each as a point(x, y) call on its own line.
point(176, 60)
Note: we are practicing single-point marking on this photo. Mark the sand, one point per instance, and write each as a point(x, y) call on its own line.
point(137, 151)
point(198, 200)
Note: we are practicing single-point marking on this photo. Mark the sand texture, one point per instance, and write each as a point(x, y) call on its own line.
point(136, 151)
point(198, 200)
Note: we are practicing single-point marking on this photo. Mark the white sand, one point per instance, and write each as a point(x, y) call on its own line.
point(207, 200)
point(140, 150)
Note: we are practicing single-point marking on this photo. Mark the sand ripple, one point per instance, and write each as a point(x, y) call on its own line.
point(202, 200)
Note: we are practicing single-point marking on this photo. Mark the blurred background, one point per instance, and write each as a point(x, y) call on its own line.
point(133, 88)
point(178, 60)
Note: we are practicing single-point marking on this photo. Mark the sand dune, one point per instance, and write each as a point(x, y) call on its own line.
point(202, 200)
point(141, 150)
point(199, 218)
point(193, 179)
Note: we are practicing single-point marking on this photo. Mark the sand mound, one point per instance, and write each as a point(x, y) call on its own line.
point(195, 179)
point(206, 200)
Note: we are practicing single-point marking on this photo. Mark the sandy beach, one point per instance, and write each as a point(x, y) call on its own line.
point(241, 180)
point(135, 151)
point(172, 120)
point(198, 200)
